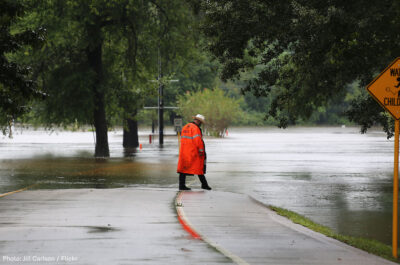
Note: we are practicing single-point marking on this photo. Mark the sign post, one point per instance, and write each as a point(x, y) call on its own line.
point(385, 89)
point(395, 187)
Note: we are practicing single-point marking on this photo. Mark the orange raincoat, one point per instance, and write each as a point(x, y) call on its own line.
point(192, 152)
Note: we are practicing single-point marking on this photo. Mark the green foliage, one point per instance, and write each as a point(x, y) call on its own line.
point(367, 112)
point(198, 74)
point(254, 108)
point(68, 72)
point(99, 56)
point(220, 111)
point(17, 88)
point(308, 51)
point(134, 36)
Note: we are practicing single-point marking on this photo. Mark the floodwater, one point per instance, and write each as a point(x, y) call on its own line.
point(335, 176)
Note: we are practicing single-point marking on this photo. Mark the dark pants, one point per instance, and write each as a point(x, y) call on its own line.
point(182, 181)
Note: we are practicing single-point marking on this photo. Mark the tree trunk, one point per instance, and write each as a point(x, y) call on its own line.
point(94, 53)
point(130, 138)
point(100, 124)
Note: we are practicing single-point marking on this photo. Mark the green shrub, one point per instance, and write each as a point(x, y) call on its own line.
point(219, 110)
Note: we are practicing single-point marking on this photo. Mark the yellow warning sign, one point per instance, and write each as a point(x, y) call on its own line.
point(385, 88)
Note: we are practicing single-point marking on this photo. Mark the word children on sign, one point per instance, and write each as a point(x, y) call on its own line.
point(385, 88)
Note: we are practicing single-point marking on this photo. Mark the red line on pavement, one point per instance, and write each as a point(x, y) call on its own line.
point(188, 228)
point(182, 219)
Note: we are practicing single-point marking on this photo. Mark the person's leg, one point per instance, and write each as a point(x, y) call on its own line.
point(204, 184)
point(182, 182)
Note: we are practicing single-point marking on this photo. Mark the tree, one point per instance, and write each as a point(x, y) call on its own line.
point(220, 111)
point(91, 59)
point(308, 50)
point(99, 58)
point(17, 88)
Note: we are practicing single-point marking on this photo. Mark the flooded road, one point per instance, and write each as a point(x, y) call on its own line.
point(335, 176)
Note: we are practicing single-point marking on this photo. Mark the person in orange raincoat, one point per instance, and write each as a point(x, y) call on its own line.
point(192, 153)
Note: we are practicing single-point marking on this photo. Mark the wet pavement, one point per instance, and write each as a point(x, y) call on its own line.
point(140, 226)
point(250, 233)
point(97, 226)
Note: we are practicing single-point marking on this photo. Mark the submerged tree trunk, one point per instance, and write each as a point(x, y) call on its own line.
point(94, 53)
point(100, 124)
point(130, 138)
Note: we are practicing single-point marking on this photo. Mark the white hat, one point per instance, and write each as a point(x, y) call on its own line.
point(200, 118)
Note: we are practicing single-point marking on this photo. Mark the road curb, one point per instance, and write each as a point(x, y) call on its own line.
point(189, 228)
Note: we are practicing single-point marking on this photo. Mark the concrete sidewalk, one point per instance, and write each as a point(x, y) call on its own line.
point(140, 226)
point(97, 226)
point(250, 233)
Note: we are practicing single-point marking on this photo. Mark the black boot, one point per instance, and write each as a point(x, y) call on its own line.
point(204, 184)
point(182, 181)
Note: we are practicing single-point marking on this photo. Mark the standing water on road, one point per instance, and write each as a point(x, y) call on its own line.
point(335, 176)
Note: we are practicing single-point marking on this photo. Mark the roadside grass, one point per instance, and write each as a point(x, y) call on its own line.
point(369, 245)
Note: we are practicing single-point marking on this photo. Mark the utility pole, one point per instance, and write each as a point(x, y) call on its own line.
point(160, 106)
point(160, 103)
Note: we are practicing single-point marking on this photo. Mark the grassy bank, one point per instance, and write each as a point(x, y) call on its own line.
point(369, 245)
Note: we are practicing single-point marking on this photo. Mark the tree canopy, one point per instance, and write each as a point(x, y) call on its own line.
point(17, 86)
point(308, 51)
point(99, 56)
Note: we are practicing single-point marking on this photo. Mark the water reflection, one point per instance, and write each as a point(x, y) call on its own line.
point(335, 176)
point(130, 152)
